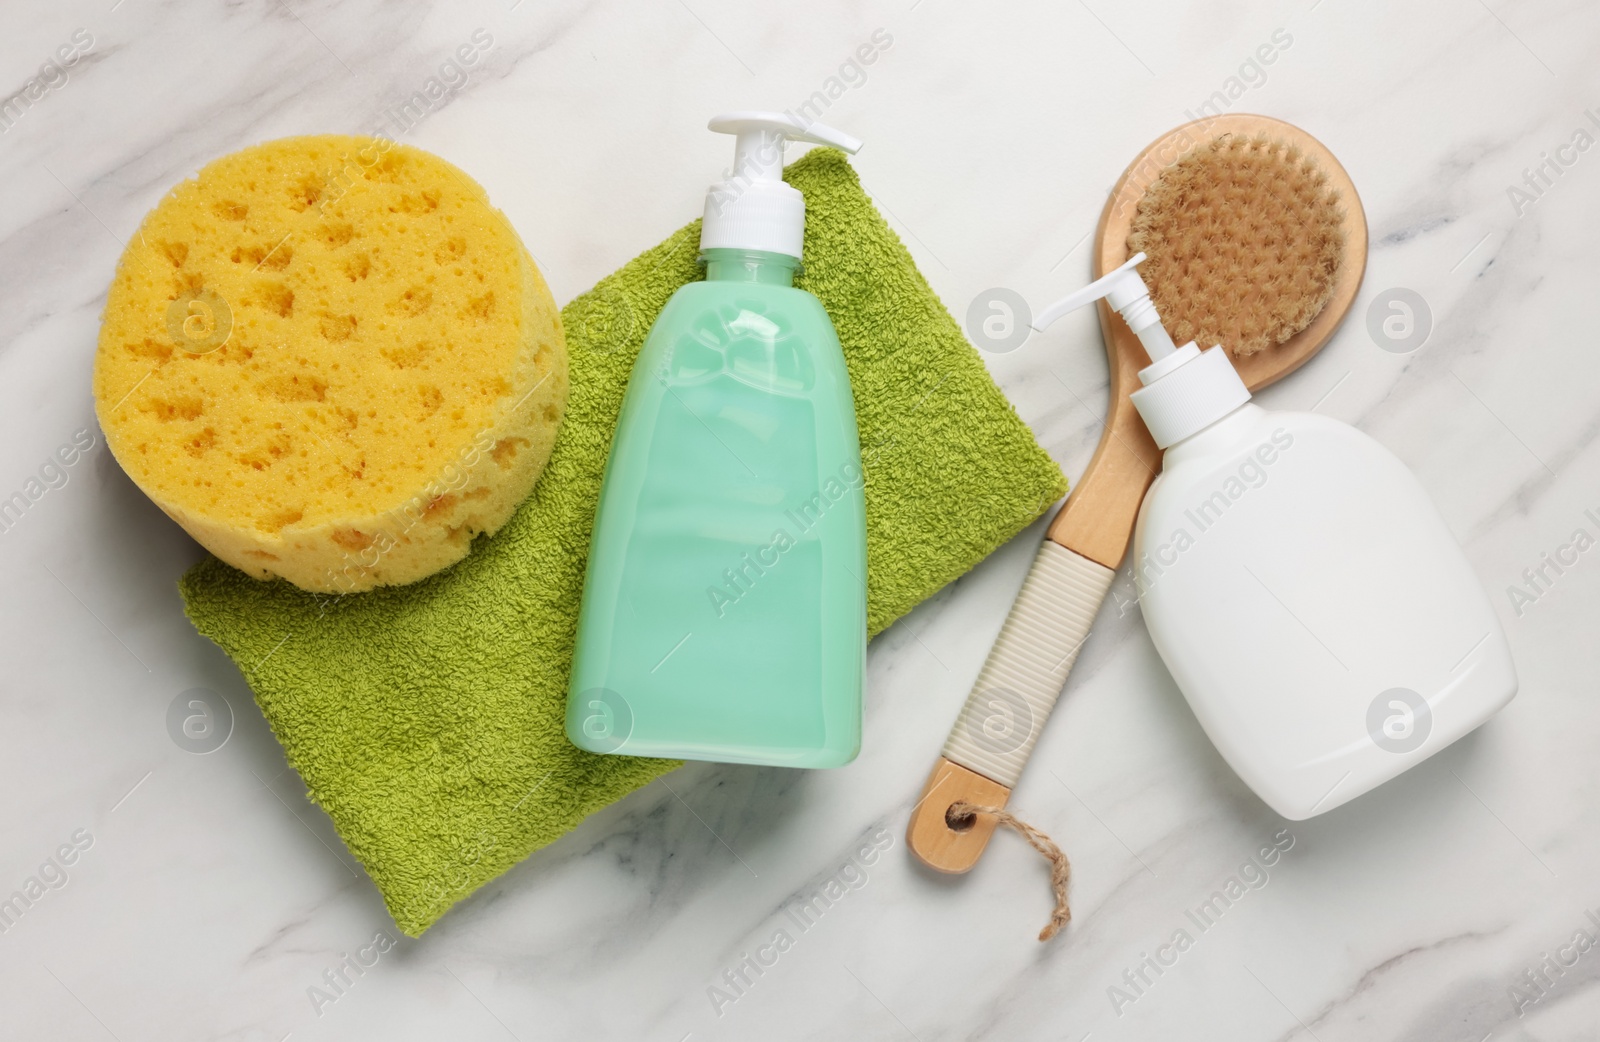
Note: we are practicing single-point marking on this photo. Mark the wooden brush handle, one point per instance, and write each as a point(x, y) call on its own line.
point(1097, 520)
point(1050, 620)
point(1007, 708)
point(1029, 662)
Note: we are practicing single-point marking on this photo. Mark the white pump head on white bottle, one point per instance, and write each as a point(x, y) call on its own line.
point(752, 208)
point(1185, 389)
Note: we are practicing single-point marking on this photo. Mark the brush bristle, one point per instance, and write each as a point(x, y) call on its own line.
point(1245, 240)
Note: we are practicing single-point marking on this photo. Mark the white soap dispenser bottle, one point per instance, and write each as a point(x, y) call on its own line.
point(1301, 587)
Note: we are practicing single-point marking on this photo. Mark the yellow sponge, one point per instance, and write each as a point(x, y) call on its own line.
point(330, 359)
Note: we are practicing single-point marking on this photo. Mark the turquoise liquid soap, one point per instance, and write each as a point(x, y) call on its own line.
point(724, 609)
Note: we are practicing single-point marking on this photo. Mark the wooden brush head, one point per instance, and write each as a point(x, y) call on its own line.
point(1246, 240)
point(1180, 301)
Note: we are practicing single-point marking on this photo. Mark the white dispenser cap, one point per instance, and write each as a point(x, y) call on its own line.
point(752, 208)
point(1185, 389)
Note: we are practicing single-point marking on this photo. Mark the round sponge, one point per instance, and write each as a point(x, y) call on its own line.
point(331, 360)
point(1245, 239)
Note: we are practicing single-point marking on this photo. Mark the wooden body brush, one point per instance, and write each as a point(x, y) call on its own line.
point(1257, 241)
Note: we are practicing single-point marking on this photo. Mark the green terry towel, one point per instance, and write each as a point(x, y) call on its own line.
point(427, 720)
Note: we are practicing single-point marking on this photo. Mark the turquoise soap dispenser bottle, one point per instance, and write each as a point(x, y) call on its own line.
point(724, 608)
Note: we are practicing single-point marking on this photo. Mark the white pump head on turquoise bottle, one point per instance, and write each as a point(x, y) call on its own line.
point(1185, 389)
point(752, 208)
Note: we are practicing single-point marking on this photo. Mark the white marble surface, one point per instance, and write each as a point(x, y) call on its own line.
point(214, 896)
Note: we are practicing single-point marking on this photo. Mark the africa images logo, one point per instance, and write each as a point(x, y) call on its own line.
point(1399, 720)
point(607, 719)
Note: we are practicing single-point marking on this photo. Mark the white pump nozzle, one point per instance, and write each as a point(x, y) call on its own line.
point(1185, 390)
point(1127, 294)
point(758, 149)
point(752, 208)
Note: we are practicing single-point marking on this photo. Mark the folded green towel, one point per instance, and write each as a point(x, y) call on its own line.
point(427, 720)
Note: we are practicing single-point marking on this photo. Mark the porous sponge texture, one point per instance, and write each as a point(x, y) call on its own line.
point(331, 360)
point(1245, 239)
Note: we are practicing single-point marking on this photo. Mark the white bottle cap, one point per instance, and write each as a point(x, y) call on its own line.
point(752, 208)
point(1199, 390)
point(1185, 389)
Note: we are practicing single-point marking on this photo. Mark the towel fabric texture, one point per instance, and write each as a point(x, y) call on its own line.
point(427, 720)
